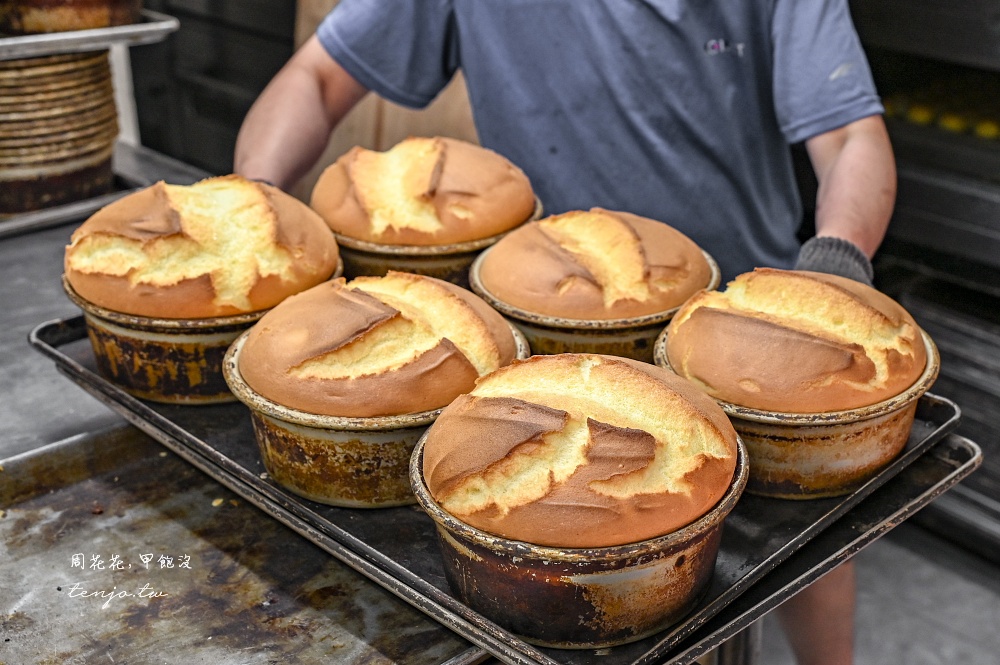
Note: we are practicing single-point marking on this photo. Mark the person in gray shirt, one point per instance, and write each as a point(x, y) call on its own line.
point(675, 110)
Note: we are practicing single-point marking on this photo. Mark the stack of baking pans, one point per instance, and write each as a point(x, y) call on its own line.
point(58, 125)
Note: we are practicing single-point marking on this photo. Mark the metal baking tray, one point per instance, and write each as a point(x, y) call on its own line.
point(397, 547)
point(931, 477)
point(85, 524)
point(154, 27)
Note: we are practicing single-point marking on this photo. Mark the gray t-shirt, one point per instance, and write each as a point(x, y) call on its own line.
point(678, 110)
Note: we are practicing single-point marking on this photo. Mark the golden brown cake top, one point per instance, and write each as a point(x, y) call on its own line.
point(580, 450)
point(796, 342)
point(375, 346)
point(423, 191)
point(596, 264)
point(219, 247)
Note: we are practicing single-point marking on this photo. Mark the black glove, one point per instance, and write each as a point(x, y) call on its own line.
point(837, 257)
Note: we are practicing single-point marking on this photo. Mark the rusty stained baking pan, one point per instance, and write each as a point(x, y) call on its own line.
point(446, 262)
point(132, 168)
point(114, 550)
point(580, 598)
point(633, 337)
point(396, 547)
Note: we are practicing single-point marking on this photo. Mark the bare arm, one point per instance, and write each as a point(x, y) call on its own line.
point(289, 125)
point(857, 182)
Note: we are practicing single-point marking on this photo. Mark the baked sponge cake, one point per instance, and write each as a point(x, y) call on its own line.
point(19, 17)
point(423, 191)
point(580, 450)
point(220, 247)
point(375, 346)
point(796, 342)
point(594, 264)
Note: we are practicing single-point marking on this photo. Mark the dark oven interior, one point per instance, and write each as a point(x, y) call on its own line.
point(937, 66)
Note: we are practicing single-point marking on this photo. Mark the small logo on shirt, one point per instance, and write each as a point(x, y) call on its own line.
point(720, 46)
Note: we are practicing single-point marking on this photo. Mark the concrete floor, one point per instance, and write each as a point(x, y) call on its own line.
point(921, 601)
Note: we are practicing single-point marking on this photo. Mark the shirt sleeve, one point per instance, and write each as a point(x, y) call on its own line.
point(822, 79)
point(403, 50)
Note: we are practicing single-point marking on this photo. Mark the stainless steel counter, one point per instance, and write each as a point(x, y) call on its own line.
point(116, 551)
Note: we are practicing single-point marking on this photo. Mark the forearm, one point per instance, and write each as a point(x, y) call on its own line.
point(289, 125)
point(857, 183)
point(279, 139)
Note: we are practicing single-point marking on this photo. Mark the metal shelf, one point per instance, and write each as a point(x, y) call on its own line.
point(153, 27)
